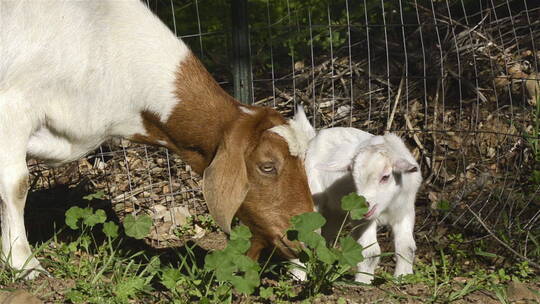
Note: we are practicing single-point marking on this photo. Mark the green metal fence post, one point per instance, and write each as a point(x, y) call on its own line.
point(241, 52)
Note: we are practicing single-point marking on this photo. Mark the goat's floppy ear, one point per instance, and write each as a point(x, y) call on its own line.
point(403, 165)
point(225, 183)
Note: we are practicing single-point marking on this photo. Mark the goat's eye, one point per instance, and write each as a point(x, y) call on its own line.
point(384, 179)
point(268, 168)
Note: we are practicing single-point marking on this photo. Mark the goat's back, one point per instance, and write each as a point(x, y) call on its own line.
point(93, 62)
point(91, 47)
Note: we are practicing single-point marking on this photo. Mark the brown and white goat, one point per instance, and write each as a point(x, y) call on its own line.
point(74, 73)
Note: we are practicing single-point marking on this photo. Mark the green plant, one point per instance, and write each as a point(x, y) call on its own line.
point(232, 266)
point(102, 273)
point(224, 272)
point(190, 280)
point(205, 221)
point(327, 265)
point(455, 245)
point(137, 227)
point(282, 292)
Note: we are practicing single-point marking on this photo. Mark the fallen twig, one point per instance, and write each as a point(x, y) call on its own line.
point(396, 101)
point(519, 255)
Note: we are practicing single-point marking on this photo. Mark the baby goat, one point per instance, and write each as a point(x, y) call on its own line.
point(75, 73)
point(380, 168)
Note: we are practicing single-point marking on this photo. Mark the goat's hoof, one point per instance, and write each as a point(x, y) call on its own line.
point(364, 278)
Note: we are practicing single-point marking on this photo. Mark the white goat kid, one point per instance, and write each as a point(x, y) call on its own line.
point(380, 168)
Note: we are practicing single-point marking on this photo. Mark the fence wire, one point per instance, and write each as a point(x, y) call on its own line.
point(458, 80)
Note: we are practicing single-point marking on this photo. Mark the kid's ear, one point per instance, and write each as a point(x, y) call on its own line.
point(301, 121)
point(404, 166)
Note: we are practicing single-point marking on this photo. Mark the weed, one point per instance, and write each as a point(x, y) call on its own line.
point(137, 227)
point(232, 266)
point(325, 265)
point(102, 274)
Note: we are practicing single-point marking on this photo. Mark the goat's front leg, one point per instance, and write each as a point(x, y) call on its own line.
point(14, 132)
point(371, 253)
point(13, 189)
point(404, 244)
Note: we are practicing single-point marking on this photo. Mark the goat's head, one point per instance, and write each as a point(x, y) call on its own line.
point(258, 175)
point(382, 167)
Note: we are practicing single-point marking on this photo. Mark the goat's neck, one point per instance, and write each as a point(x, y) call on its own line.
point(198, 122)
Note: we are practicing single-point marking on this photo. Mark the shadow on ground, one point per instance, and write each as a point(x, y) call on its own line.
point(45, 217)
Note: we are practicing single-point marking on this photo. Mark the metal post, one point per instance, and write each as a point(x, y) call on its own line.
point(241, 54)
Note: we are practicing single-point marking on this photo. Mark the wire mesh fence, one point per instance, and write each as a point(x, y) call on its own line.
point(458, 80)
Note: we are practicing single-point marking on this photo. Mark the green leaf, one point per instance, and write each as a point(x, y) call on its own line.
point(98, 195)
point(137, 227)
point(74, 214)
point(225, 272)
point(110, 229)
point(128, 287)
point(75, 296)
point(241, 233)
point(72, 217)
point(240, 240)
point(358, 214)
point(93, 219)
point(238, 246)
point(247, 284)
point(480, 252)
point(351, 251)
point(307, 222)
point(212, 260)
point(244, 263)
point(353, 201)
point(443, 205)
point(355, 204)
point(326, 255)
point(311, 239)
point(266, 293)
point(535, 176)
point(170, 278)
point(232, 266)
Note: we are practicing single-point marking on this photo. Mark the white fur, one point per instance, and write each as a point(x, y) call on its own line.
point(161, 142)
point(296, 135)
point(246, 110)
point(72, 74)
point(344, 160)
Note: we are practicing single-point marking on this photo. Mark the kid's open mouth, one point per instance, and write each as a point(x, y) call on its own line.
point(370, 212)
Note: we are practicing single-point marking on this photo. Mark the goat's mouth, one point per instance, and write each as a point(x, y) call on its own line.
point(371, 212)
